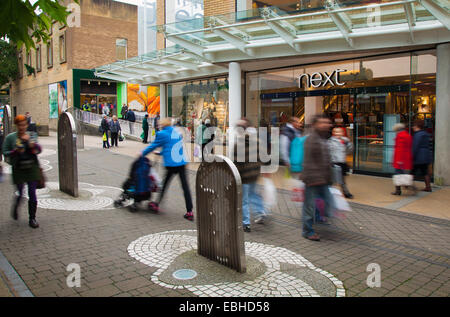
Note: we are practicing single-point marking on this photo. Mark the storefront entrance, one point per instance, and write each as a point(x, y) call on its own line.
point(367, 99)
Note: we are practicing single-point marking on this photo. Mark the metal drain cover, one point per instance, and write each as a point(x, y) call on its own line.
point(184, 274)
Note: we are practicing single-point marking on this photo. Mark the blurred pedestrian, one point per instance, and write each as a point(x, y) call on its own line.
point(21, 149)
point(340, 146)
point(422, 153)
point(316, 174)
point(124, 111)
point(104, 128)
point(288, 133)
point(156, 122)
point(174, 161)
point(105, 109)
point(131, 117)
point(115, 128)
point(403, 160)
point(145, 129)
point(249, 168)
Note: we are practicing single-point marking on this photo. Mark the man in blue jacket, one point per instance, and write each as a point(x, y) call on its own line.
point(174, 161)
point(422, 153)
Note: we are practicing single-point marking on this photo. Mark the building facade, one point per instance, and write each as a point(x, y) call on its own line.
point(366, 64)
point(57, 75)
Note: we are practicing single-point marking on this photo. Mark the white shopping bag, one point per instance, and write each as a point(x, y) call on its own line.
point(269, 192)
point(403, 179)
point(155, 177)
point(340, 203)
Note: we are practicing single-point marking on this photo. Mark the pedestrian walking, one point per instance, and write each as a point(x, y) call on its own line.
point(131, 117)
point(403, 160)
point(21, 149)
point(316, 174)
point(340, 146)
point(249, 168)
point(104, 128)
point(156, 122)
point(288, 133)
point(115, 128)
point(174, 162)
point(145, 129)
point(124, 111)
point(105, 109)
point(422, 153)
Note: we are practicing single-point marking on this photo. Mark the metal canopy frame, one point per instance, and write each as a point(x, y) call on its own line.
point(201, 44)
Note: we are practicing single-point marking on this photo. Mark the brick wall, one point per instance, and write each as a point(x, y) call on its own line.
point(217, 7)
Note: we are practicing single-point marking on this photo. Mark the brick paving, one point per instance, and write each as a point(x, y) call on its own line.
point(412, 250)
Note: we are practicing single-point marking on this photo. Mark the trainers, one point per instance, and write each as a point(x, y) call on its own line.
point(33, 223)
point(153, 206)
point(247, 228)
point(260, 220)
point(314, 237)
point(189, 216)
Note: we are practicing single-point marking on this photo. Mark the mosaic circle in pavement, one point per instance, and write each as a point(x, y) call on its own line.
point(91, 197)
point(269, 275)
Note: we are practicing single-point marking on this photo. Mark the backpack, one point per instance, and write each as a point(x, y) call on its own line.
point(296, 153)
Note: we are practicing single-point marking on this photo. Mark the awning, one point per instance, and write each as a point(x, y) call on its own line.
point(203, 45)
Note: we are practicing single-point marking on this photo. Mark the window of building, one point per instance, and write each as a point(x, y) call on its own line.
point(38, 58)
point(29, 64)
point(50, 54)
point(121, 49)
point(62, 48)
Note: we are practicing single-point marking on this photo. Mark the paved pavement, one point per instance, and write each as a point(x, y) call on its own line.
point(411, 250)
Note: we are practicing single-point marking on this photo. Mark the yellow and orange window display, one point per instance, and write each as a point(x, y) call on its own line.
point(140, 100)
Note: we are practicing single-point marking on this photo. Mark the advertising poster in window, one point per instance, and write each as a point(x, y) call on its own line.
point(143, 99)
point(53, 100)
point(62, 96)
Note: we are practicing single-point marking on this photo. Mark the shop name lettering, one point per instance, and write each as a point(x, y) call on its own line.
point(320, 79)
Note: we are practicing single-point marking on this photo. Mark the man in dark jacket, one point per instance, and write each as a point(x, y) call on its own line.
point(317, 174)
point(104, 129)
point(145, 128)
point(247, 161)
point(131, 117)
point(422, 154)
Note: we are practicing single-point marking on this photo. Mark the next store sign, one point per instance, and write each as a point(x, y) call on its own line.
point(317, 79)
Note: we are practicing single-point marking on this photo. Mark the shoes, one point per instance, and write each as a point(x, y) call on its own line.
point(189, 216)
point(260, 220)
point(398, 191)
point(247, 228)
point(321, 222)
point(33, 223)
point(314, 237)
point(348, 195)
point(427, 190)
point(153, 206)
point(14, 212)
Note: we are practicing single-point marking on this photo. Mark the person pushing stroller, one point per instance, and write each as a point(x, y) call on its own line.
point(174, 161)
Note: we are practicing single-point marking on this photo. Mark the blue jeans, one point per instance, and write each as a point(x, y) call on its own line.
point(309, 206)
point(250, 196)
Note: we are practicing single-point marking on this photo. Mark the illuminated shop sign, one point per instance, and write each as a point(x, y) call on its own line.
point(317, 79)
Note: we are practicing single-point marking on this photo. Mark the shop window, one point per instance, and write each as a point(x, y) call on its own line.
point(192, 102)
point(38, 58)
point(50, 54)
point(62, 48)
point(121, 49)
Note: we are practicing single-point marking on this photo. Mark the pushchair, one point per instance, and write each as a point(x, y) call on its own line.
point(139, 185)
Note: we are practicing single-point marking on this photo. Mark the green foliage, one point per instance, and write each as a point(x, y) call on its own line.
point(9, 68)
point(26, 23)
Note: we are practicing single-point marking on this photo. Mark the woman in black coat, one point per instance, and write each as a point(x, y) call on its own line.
point(422, 153)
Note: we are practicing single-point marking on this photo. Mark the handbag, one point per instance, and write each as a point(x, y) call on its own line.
point(41, 182)
point(105, 138)
point(121, 137)
point(269, 193)
point(403, 179)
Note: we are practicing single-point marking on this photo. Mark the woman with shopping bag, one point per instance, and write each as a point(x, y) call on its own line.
point(21, 149)
point(403, 159)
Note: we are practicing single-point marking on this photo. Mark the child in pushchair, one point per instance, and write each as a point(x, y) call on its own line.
point(139, 185)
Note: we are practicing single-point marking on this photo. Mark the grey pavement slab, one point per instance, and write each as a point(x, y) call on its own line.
point(412, 250)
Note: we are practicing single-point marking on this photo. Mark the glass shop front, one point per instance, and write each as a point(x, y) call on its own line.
point(366, 97)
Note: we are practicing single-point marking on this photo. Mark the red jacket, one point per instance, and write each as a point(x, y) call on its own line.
point(403, 151)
